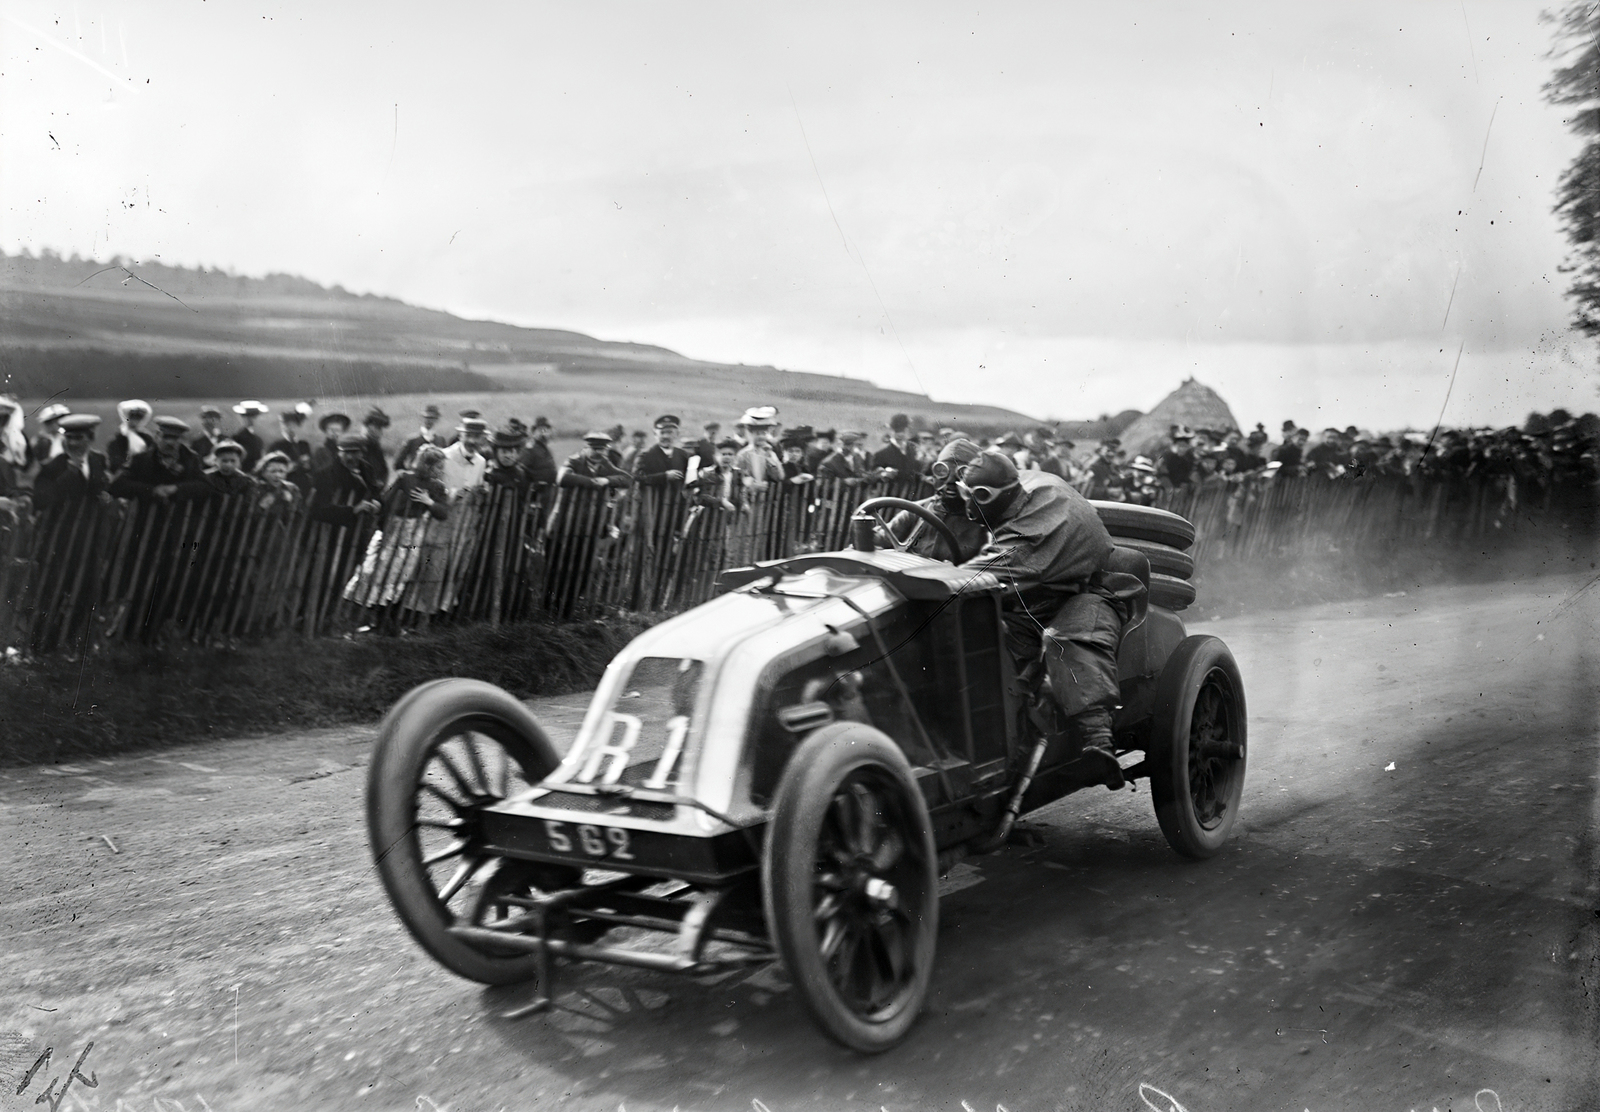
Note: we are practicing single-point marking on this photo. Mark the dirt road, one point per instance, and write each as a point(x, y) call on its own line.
point(1409, 921)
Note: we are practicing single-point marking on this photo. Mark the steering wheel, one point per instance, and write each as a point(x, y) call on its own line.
point(873, 510)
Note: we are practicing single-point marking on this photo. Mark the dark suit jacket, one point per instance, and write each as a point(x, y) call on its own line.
point(148, 470)
point(335, 491)
point(540, 463)
point(654, 463)
point(60, 481)
point(906, 466)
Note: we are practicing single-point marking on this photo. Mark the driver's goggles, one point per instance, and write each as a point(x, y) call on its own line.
point(981, 495)
point(942, 469)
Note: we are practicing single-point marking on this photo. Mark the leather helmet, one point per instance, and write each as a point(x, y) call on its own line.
point(989, 486)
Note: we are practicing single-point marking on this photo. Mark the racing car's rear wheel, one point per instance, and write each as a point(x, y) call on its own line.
point(445, 751)
point(1196, 749)
point(850, 882)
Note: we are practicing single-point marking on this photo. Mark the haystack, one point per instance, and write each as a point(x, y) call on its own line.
point(1193, 404)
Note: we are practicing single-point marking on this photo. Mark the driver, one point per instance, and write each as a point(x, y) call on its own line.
point(1049, 544)
point(945, 504)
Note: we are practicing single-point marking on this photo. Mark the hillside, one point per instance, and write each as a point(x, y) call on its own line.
point(78, 329)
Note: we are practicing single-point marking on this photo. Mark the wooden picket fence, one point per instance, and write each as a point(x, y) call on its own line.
point(227, 570)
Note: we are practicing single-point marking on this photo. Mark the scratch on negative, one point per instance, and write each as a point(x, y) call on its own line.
point(1485, 153)
point(134, 277)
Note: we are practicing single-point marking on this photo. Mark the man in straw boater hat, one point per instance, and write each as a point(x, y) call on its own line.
point(131, 436)
point(49, 443)
point(245, 435)
point(464, 463)
point(1065, 611)
point(79, 473)
point(663, 464)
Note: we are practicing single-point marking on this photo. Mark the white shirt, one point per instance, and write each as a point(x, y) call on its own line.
point(463, 468)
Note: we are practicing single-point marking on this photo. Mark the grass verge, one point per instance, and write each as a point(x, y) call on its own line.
point(132, 697)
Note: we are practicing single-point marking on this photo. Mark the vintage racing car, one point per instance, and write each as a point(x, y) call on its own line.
point(783, 773)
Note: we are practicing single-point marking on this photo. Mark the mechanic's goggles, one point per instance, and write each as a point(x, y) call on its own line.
point(981, 495)
point(942, 469)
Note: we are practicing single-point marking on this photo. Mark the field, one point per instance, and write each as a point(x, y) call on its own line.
point(220, 338)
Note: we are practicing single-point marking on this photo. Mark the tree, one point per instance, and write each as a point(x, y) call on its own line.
point(1575, 87)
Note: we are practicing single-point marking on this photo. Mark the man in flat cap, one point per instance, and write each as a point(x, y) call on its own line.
point(843, 464)
point(663, 464)
point(464, 462)
point(427, 434)
point(536, 457)
point(592, 467)
point(210, 432)
point(346, 491)
point(164, 473)
point(373, 424)
point(706, 447)
point(227, 475)
point(245, 435)
point(79, 473)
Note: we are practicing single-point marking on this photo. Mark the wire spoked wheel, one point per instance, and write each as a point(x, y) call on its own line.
point(850, 882)
point(1197, 748)
point(447, 751)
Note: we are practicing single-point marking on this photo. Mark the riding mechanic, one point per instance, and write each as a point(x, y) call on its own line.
point(1066, 609)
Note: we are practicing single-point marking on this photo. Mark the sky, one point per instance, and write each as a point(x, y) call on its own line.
point(1337, 213)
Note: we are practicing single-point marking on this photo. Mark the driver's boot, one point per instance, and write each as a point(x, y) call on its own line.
point(1099, 752)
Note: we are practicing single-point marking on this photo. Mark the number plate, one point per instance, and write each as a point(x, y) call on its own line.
point(583, 839)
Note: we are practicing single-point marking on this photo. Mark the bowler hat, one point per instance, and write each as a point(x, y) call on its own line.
point(333, 418)
point(210, 411)
point(430, 410)
point(376, 416)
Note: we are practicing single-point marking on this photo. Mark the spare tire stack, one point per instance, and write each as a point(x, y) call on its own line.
point(1163, 537)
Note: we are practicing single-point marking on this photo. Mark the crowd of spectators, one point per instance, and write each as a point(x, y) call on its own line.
point(344, 471)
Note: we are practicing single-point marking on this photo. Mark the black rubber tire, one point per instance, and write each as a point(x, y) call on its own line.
point(1199, 702)
point(952, 547)
point(1173, 594)
point(816, 800)
point(1145, 523)
point(1164, 559)
point(413, 731)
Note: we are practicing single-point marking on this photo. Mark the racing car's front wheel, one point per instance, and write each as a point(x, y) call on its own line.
point(850, 881)
point(445, 751)
point(1196, 749)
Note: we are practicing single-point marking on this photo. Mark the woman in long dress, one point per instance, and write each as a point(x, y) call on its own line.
point(407, 552)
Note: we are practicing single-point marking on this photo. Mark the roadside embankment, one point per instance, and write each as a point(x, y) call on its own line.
point(130, 697)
